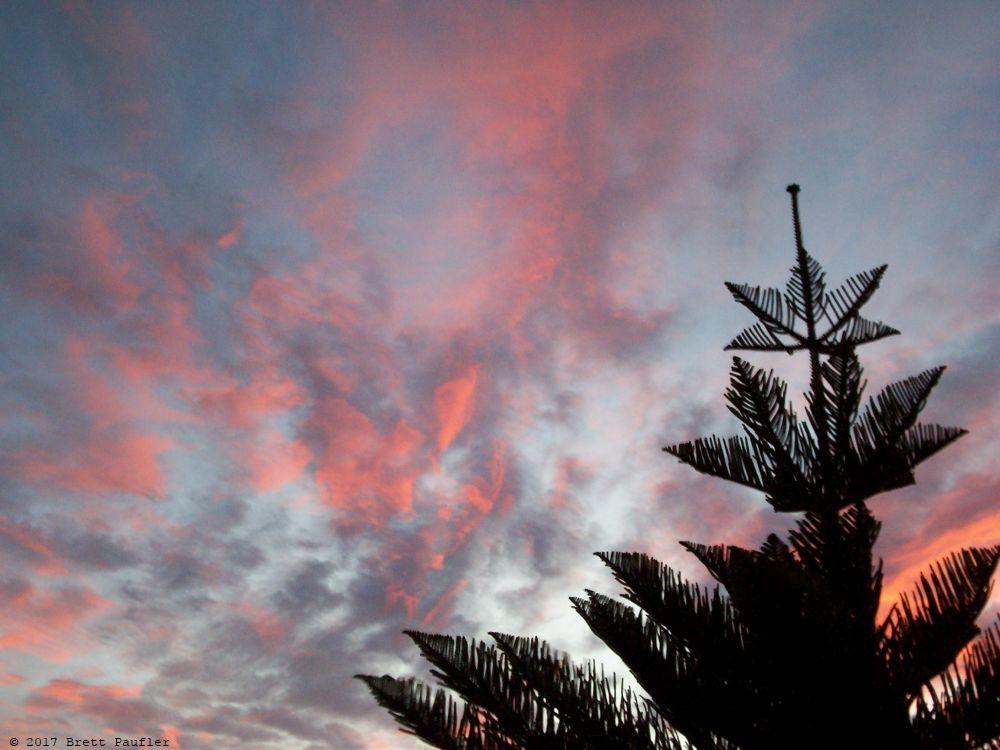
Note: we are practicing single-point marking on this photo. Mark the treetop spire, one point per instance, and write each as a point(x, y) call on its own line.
point(794, 189)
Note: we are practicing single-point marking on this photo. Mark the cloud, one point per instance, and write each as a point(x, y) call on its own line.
point(453, 403)
point(392, 322)
point(46, 622)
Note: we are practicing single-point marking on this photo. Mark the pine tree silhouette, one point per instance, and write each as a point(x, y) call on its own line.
point(787, 651)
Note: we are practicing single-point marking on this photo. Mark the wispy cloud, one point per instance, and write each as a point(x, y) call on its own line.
point(327, 321)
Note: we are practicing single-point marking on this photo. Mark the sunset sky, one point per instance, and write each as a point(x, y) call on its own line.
point(326, 320)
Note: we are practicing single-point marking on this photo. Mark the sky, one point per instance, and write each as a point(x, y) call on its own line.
point(326, 320)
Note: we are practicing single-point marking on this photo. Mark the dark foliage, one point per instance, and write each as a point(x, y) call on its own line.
point(787, 651)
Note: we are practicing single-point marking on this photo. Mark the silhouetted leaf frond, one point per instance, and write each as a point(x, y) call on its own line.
point(843, 303)
point(963, 710)
point(785, 450)
point(777, 321)
point(759, 339)
point(895, 409)
point(479, 673)
point(429, 713)
point(730, 458)
point(702, 620)
point(832, 406)
point(841, 380)
point(593, 710)
point(925, 631)
point(805, 293)
point(836, 549)
point(678, 685)
point(806, 301)
point(856, 332)
point(764, 586)
point(924, 440)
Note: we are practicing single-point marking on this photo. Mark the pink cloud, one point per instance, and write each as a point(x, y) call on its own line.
point(76, 692)
point(353, 469)
point(106, 251)
point(124, 361)
point(127, 463)
point(274, 460)
point(570, 471)
point(529, 116)
point(32, 543)
point(916, 557)
point(417, 566)
point(270, 627)
point(477, 499)
point(172, 735)
point(440, 610)
point(231, 237)
point(240, 405)
point(115, 455)
point(404, 439)
point(301, 300)
point(47, 623)
point(453, 404)
point(116, 709)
